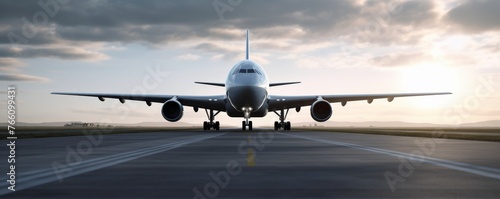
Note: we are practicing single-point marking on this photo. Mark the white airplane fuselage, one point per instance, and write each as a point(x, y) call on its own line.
point(246, 90)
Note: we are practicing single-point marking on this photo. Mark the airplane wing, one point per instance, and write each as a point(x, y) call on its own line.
point(286, 102)
point(211, 84)
point(282, 83)
point(215, 102)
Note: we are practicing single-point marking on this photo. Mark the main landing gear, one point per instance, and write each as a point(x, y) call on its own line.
point(207, 125)
point(282, 124)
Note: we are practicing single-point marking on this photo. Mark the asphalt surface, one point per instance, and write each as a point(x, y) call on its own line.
point(260, 164)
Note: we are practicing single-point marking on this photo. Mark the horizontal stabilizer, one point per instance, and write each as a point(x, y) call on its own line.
point(282, 83)
point(212, 84)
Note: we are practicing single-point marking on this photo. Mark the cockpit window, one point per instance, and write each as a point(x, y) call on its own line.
point(247, 70)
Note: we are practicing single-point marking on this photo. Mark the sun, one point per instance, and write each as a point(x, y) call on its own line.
point(429, 78)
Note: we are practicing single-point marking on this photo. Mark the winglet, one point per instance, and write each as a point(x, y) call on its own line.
point(247, 49)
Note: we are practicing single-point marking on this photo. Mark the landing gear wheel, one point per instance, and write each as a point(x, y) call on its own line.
point(217, 125)
point(276, 125)
point(243, 125)
point(205, 126)
point(250, 125)
point(288, 126)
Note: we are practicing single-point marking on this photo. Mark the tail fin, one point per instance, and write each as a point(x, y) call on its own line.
point(247, 57)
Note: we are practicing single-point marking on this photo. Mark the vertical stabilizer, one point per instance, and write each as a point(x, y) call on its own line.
point(247, 57)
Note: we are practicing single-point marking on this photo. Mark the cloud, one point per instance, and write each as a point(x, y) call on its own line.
point(159, 23)
point(416, 14)
point(294, 26)
point(9, 64)
point(113, 13)
point(403, 59)
point(67, 53)
point(489, 112)
point(13, 33)
point(188, 57)
point(21, 77)
point(475, 16)
point(225, 51)
point(333, 60)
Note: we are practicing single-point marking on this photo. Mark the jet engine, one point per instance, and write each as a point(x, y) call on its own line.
point(321, 110)
point(172, 110)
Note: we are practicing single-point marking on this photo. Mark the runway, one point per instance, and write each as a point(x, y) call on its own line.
point(258, 164)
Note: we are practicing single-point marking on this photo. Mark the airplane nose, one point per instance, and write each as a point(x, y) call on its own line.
point(247, 97)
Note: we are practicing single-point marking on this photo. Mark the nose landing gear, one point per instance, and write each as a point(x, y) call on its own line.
point(246, 123)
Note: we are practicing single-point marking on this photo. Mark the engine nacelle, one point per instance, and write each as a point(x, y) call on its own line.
point(321, 110)
point(172, 110)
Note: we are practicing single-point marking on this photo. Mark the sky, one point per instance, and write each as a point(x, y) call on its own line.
point(332, 47)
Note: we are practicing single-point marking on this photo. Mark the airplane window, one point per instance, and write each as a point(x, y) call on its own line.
point(254, 70)
point(235, 71)
point(243, 71)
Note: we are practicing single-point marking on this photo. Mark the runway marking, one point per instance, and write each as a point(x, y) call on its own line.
point(250, 158)
point(250, 155)
point(459, 166)
point(34, 178)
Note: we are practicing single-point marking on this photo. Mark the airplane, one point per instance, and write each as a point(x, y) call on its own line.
point(247, 96)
